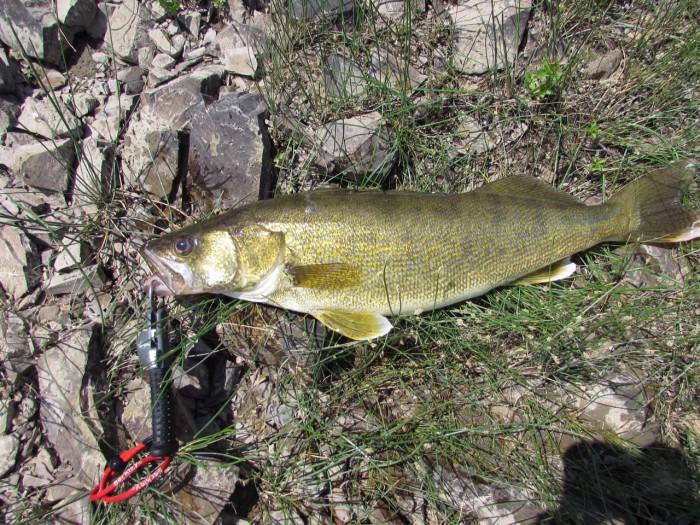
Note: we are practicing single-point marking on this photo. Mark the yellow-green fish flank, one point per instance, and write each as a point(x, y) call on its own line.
point(352, 258)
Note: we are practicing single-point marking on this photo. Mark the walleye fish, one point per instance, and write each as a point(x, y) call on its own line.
point(353, 258)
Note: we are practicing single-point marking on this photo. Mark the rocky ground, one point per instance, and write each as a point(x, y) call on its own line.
point(120, 118)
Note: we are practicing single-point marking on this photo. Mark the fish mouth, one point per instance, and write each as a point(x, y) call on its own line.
point(170, 277)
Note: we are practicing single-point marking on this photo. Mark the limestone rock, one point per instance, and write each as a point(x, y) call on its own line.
point(61, 378)
point(191, 22)
point(9, 111)
point(136, 415)
point(19, 270)
point(77, 282)
point(172, 103)
point(49, 118)
point(71, 254)
point(618, 405)
point(163, 43)
point(42, 165)
point(152, 163)
point(308, 9)
point(151, 144)
point(128, 30)
point(492, 503)
point(98, 27)
point(132, 79)
point(15, 346)
point(7, 76)
point(488, 33)
point(32, 28)
point(236, 45)
point(344, 78)
point(9, 446)
point(230, 151)
point(356, 148)
point(79, 13)
point(204, 497)
point(602, 67)
point(95, 174)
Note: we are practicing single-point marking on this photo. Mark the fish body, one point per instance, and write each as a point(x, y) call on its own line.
point(352, 258)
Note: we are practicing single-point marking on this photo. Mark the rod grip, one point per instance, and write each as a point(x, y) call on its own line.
point(162, 403)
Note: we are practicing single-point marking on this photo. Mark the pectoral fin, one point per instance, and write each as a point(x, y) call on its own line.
point(332, 276)
point(559, 270)
point(354, 325)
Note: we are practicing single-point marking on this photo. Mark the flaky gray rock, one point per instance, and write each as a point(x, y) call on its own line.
point(191, 22)
point(208, 489)
point(49, 118)
point(71, 254)
point(236, 46)
point(9, 446)
point(77, 282)
point(172, 103)
point(152, 142)
point(32, 28)
point(163, 42)
point(132, 79)
point(358, 148)
point(136, 413)
point(7, 75)
point(152, 163)
point(18, 262)
point(61, 374)
point(128, 30)
point(78, 13)
point(602, 67)
point(15, 346)
point(618, 405)
point(230, 152)
point(9, 111)
point(94, 176)
point(344, 78)
point(488, 33)
point(308, 9)
point(43, 165)
point(491, 503)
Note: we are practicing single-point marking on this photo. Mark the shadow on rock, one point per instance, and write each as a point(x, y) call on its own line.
point(606, 484)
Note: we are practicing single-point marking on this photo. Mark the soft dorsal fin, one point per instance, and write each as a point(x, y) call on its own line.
point(330, 276)
point(554, 272)
point(525, 186)
point(358, 326)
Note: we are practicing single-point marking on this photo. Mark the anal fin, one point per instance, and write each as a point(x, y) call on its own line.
point(358, 326)
point(554, 272)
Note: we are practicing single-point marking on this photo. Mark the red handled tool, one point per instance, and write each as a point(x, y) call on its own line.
point(152, 346)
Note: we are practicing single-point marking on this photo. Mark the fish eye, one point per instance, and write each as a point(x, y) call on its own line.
point(184, 245)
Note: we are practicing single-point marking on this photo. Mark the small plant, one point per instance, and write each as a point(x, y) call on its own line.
point(597, 165)
point(172, 7)
point(546, 81)
point(593, 131)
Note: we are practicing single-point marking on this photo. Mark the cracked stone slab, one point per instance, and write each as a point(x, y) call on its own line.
point(61, 373)
point(33, 29)
point(488, 33)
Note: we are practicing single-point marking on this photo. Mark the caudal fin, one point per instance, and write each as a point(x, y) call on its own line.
point(653, 205)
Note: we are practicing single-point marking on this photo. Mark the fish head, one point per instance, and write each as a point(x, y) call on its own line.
point(193, 260)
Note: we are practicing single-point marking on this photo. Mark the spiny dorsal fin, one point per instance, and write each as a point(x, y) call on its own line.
point(356, 326)
point(525, 186)
point(330, 276)
point(554, 272)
